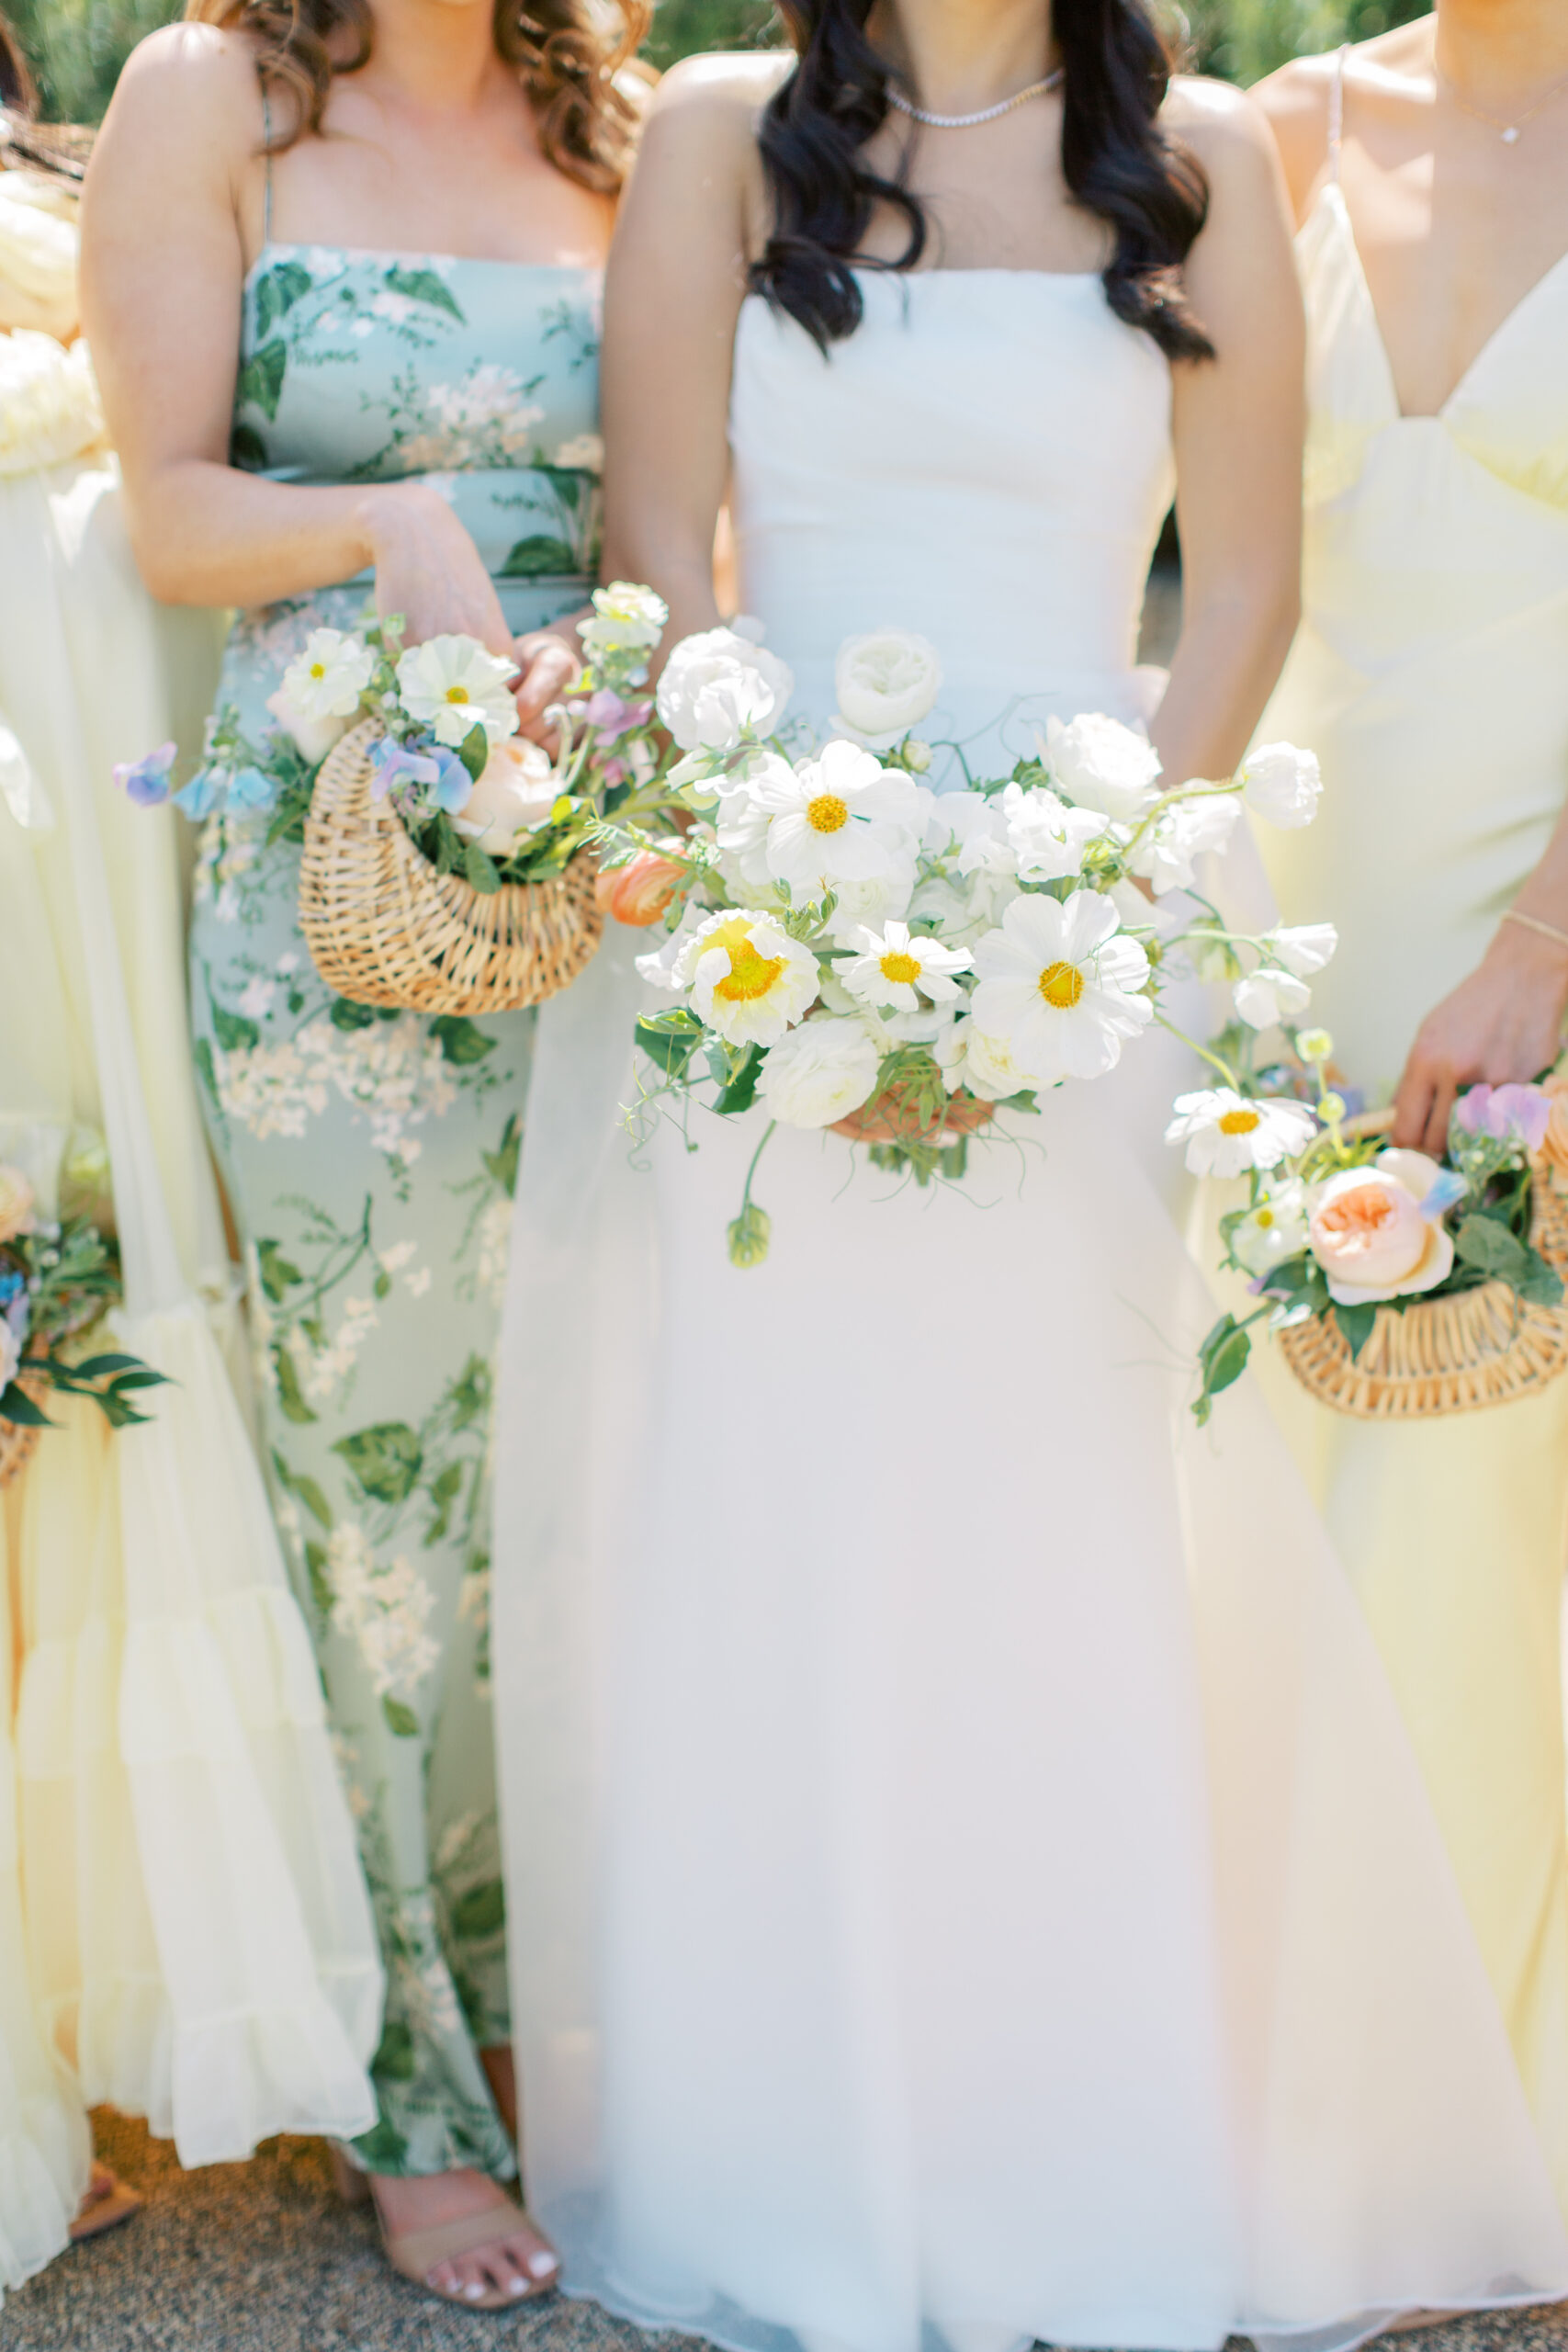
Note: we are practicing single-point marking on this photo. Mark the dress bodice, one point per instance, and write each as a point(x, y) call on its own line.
point(480, 376)
point(986, 461)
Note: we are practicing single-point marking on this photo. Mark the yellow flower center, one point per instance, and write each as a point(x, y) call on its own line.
point(1265, 1218)
point(900, 968)
point(318, 669)
point(750, 975)
point(457, 694)
point(827, 813)
point(1238, 1123)
point(1061, 985)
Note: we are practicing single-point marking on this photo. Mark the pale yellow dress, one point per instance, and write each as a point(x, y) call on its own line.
point(1431, 676)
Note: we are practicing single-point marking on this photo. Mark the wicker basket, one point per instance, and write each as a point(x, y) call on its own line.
point(384, 928)
point(18, 1439)
point(1442, 1355)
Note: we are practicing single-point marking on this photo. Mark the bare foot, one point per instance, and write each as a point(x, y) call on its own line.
point(519, 2262)
point(502, 2080)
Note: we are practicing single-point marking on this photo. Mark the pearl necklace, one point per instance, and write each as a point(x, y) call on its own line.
point(968, 122)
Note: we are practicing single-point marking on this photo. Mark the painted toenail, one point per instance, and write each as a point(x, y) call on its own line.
point(541, 2264)
point(473, 2291)
point(517, 2286)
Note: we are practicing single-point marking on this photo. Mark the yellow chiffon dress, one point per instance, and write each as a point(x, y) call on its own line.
point(1431, 676)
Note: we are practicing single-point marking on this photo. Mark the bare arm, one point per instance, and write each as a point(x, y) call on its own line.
point(1239, 421)
point(162, 269)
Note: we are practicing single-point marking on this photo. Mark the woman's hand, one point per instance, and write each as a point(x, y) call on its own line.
point(549, 663)
point(428, 569)
point(1504, 1023)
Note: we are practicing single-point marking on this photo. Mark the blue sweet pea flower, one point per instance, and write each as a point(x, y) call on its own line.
point(146, 780)
point(201, 794)
point(1447, 1190)
point(249, 788)
point(395, 764)
point(455, 785)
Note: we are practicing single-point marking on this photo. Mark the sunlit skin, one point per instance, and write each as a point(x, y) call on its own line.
point(433, 147)
point(1455, 226)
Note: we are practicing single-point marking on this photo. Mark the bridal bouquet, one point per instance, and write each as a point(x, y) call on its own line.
point(849, 949)
point(1339, 1225)
point(56, 1281)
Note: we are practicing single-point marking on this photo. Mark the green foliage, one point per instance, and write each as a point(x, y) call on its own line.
point(1244, 40)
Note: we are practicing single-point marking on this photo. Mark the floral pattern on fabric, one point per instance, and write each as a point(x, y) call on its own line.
point(370, 1155)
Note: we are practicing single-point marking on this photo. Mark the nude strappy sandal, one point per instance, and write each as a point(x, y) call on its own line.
point(107, 2206)
point(414, 2254)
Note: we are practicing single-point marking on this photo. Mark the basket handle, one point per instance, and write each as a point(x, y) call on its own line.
point(1369, 1122)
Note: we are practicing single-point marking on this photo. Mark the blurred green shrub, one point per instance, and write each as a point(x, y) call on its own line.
point(77, 47)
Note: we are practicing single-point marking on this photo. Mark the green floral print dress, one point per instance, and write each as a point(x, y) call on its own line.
point(370, 1156)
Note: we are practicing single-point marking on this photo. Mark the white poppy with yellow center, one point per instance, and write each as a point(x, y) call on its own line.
point(1059, 983)
point(451, 685)
point(749, 980)
point(898, 968)
point(1226, 1133)
point(840, 818)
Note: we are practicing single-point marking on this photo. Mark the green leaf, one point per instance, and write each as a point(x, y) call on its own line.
point(394, 2061)
point(261, 378)
point(444, 1491)
point(1482, 1242)
point(749, 1235)
point(289, 1394)
point(277, 291)
point(1357, 1324)
point(17, 1406)
point(539, 556)
point(740, 1092)
point(201, 1054)
point(474, 750)
point(316, 1569)
point(1541, 1284)
point(1224, 1356)
point(278, 1272)
point(400, 1719)
point(232, 1031)
point(670, 1039)
point(247, 450)
point(502, 1163)
point(99, 1367)
point(424, 285)
point(461, 1042)
point(314, 1500)
point(481, 1912)
point(384, 1461)
point(344, 1014)
point(479, 868)
point(383, 2148)
point(469, 1394)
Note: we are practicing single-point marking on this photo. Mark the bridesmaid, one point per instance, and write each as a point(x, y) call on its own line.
point(1430, 174)
point(342, 277)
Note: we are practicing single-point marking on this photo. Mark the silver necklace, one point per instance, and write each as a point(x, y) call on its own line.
point(968, 122)
point(1508, 131)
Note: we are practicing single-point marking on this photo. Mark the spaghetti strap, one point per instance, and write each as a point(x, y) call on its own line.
point(1335, 112)
point(266, 195)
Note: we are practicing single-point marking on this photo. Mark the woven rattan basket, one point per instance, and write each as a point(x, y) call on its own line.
point(1442, 1355)
point(18, 1439)
point(384, 928)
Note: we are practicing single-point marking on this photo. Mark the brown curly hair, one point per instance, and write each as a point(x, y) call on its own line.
point(572, 57)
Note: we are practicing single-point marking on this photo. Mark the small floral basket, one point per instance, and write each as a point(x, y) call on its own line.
point(384, 926)
point(19, 1440)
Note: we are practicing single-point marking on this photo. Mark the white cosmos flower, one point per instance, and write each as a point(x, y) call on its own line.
point(886, 682)
point(1047, 838)
point(1282, 784)
point(320, 691)
point(451, 685)
point(627, 618)
point(840, 818)
point(1099, 763)
point(1059, 982)
point(896, 967)
point(820, 1072)
point(717, 688)
point(1166, 854)
point(1276, 1230)
point(749, 980)
point(1270, 994)
point(1302, 948)
point(1226, 1133)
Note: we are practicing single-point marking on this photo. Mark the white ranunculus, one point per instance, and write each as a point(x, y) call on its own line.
point(516, 790)
point(1226, 1133)
point(898, 967)
point(1269, 995)
point(820, 1072)
point(1304, 948)
point(451, 685)
point(627, 617)
point(749, 980)
point(1099, 764)
point(866, 904)
point(838, 819)
point(1060, 983)
point(311, 738)
point(970, 828)
point(988, 1065)
point(1276, 1230)
point(1047, 838)
point(1167, 854)
point(718, 687)
point(326, 683)
point(886, 683)
point(1282, 784)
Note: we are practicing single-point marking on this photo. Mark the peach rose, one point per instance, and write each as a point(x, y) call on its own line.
point(516, 793)
point(17, 1202)
point(1373, 1237)
point(638, 892)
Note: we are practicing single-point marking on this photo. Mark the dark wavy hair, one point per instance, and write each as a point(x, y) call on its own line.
point(575, 59)
point(1116, 159)
point(18, 95)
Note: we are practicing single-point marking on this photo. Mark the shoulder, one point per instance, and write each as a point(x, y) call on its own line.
point(719, 95)
point(1224, 131)
point(698, 155)
point(1296, 103)
point(191, 82)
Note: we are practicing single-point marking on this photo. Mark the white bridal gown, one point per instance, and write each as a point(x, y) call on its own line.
point(966, 1871)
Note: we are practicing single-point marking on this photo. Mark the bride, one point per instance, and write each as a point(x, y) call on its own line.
point(966, 1870)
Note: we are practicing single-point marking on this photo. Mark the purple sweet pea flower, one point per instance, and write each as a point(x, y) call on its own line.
point(395, 766)
point(1516, 1114)
point(146, 780)
point(613, 718)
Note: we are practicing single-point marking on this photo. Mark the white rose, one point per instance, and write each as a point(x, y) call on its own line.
point(1047, 838)
point(985, 1065)
point(1269, 995)
point(885, 682)
point(311, 738)
point(820, 1072)
point(717, 686)
point(1099, 764)
point(516, 790)
point(1166, 854)
point(1282, 786)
